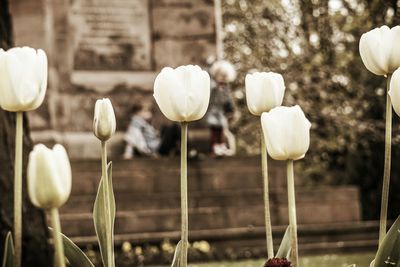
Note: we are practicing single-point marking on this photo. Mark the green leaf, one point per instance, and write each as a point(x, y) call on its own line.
point(177, 255)
point(104, 219)
point(284, 248)
point(75, 256)
point(389, 250)
point(8, 256)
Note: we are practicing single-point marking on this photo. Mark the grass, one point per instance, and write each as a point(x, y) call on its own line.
point(361, 260)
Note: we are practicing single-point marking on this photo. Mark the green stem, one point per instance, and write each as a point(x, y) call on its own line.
point(18, 190)
point(294, 257)
point(104, 175)
point(59, 258)
point(386, 170)
point(184, 197)
point(267, 212)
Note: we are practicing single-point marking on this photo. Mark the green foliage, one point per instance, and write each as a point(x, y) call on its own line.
point(314, 45)
point(8, 256)
point(104, 218)
point(284, 248)
point(389, 250)
point(177, 255)
point(75, 256)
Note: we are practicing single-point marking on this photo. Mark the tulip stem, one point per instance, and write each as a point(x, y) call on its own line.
point(294, 254)
point(104, 175)
point(386, 170)
point(59, 257)
point(18, 190)
point(184, 197)
point(267, 212)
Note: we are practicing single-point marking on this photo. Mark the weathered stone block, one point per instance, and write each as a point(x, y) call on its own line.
point(173, 53)
point(181, 22)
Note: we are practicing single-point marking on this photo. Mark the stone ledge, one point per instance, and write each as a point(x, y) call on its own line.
point(106, 81)
point(80, 144)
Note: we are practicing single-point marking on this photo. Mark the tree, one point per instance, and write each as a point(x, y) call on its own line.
point(36, 251)
point(314, 44)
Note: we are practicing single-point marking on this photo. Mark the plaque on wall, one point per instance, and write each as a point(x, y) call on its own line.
point(111, 35)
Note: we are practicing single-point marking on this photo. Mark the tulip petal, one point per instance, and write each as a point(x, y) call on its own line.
point(168, 93)
point(274, 134)
point(199, 94)
point(394, 91)
point(64, 170)
point(375, 48)
point(300, 137)
point(41, 74)
point(8, 99)
point(394, 56)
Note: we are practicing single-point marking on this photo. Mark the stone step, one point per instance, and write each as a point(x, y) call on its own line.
point(144, 175)
point(158, 214)
point(333, 198)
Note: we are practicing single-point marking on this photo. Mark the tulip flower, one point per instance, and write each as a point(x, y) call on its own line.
point(182, 94)
point(104, 122)
point(379, 53)
point(104, 125)
point(23, 83)
point(287, 134)
point(264, 91)
point(23, 78)
point(49, 186)
point(394, 91)
point(378, 50)
point(49, 176)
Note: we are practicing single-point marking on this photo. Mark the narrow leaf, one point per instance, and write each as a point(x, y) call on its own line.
point(177, 255)
point(389, 250)
point(75, 256)
point(104, 218)
point(8, 256)
point(284, 248)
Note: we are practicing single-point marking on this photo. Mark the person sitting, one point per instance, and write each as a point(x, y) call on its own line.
point(142, 138)
point(221, 107)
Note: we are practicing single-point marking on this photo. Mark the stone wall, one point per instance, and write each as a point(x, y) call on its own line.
point(107, 48)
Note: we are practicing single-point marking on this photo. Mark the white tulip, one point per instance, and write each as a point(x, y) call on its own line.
point(104, 122)
point(182, 94)
point(286, 132)
point(264, 91)
point(379, 50)
point(23, 78)
point(394, 91)
point(49, 176)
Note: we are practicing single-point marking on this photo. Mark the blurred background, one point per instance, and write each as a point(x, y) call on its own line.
point(115, 49)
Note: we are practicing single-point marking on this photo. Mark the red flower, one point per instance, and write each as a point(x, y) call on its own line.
point(278, 262)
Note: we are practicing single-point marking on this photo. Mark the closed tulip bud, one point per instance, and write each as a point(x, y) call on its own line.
point(264, 91)
point(378, 50)
point(23, 78)
point(286, 132)
point(182, 94)
point(394, 91)
point(49, 176)
point(104, 122)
